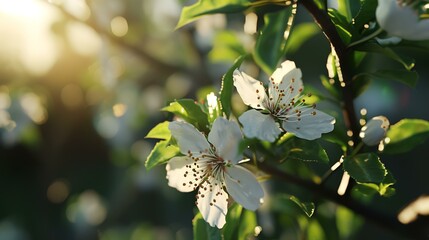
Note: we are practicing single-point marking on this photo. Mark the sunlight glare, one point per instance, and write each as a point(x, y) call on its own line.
point(27, 36)
point(83, 40)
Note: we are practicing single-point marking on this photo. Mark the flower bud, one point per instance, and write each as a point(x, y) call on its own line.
point(374, 131)
point(401, 19)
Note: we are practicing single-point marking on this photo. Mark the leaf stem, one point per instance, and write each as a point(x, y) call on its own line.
point(366, 38)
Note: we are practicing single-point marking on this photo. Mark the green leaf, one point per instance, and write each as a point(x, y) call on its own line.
point(365, 168)
point(161, 153)
point(332, 88)
point(406, 134)
point(374, 47)
point(365, 14)
point(230, 230)
point(160, 131)
point(204, 7)
point(307, 207)
point(342, 25)
point(190, 111)
point(408, 78)
point(247, 225)
point(347, 222)
point(271, 42)
point(199, 227)
point(226, 47)
point(348, 8)
point(315, 231)
point(300, 34)
point(383, 189)
point(227, 87)
point(419, 45)
point(304, 150)
point(203, 231)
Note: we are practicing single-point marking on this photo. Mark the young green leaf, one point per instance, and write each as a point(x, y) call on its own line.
point(343, 26)
point(406, 134)
point(365, 168)
point(374, 47)
point(230, 230)
point(347, 222)
point(408, 78)
point(226, 47)
point(330, 86)
point(304, 150)
point(365, 15)
point(307, 207)
point(271, 42)
point(160, 131)
point(227, 86)
point(161, 153)
point(204, 7)
point(247, 225)
point(300, 34)
point(199, 227)
point(190, 111)
point(203, 231)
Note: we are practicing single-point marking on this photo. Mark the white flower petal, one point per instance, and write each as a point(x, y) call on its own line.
point(258, 125)
point(287, 78)
point(226, 136)
point(188, 137)
point(401, 21)
point(309, 126)
point(212, 201)
point(251, 91)
point(243, 187)
point(180, 176)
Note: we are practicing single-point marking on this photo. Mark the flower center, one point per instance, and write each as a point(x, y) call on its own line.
point(208, 171)
point(206, 167)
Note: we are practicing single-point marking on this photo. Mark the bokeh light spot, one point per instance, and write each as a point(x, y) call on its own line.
point(88, 208)
point(119, 109)
point(119, 26)
point(33, 107)
point(58, 191)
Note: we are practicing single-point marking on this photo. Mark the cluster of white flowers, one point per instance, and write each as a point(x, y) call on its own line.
point(211, 165)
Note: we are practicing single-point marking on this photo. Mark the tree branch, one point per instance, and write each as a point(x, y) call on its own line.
point(379, 218)
point(329, 30)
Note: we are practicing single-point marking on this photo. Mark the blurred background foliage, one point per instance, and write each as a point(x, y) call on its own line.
point(82, 82)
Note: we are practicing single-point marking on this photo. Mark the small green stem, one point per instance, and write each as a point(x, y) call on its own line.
point(357, 149)
point(366, 38)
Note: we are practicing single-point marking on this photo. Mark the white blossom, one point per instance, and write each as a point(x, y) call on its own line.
point(374, 131)
point(402, 20)
point(210, 165)
point(283, 108)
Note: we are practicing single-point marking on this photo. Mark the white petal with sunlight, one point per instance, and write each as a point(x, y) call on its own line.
point(180, 176)
point(251, 90)
point(310, 126)
point(188, 137)
point(258, 125)
point(243, 187)
point(212, 201)
point(226, 136)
